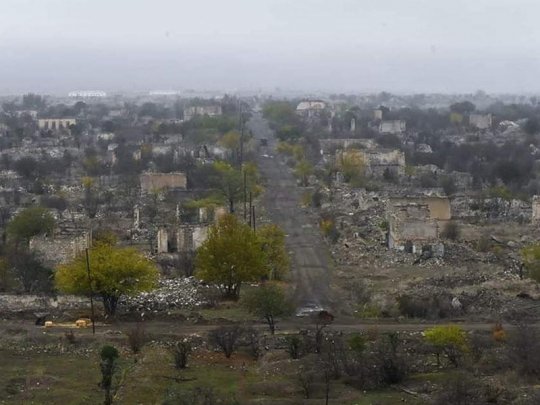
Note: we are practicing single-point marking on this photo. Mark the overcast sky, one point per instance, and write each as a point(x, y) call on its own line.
point(55, 46)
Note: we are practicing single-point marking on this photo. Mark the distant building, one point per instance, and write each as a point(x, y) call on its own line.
point(29, 113)
point(377, 162)
point(166, 93)
point(87, 94)
point(481, 121)
point(392, 127)
point(163, 181)
point(536, 209)
point(56, 124)
point(310, 108)
point(378, 114)
point(416, 221)
point(209, 110)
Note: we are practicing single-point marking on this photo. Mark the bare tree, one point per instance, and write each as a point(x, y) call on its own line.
point(226, 338)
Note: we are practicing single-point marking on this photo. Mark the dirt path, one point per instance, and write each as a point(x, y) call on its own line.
point(282, 204)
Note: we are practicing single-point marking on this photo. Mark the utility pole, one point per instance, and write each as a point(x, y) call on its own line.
point(250, 209)
point(245, 195)
point(241, 139)
point(253, 214)
point(91, 292)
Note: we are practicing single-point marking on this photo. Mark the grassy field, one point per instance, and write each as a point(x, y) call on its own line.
point(60, 373)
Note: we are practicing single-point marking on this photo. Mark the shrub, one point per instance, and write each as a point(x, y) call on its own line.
point(524, 350)
point(451, 231)
point(450, 340)
point(226, 338)
point(460, 389)
point(181, 352)
point(70, 337)
point(137, 338)
point(294, 346)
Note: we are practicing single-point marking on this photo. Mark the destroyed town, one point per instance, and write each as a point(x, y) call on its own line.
point(328, 203)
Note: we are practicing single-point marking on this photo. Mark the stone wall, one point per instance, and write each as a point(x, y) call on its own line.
point(392, 127)
point(56, 123)
point(59, 250)
point(480, 121)
point(439, 207)
point(536, 208)
point(11, 304)
point(410, 222)
point(162, 181)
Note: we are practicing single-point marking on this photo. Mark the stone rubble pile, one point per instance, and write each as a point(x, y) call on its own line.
point(174, 293)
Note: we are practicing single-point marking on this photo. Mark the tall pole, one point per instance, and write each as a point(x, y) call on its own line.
point(253, 212)
point(91, 292)
point(241, 139)
point(245, 195)
point(250, 209)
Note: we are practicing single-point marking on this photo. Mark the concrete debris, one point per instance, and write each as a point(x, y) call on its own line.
point(175, 293)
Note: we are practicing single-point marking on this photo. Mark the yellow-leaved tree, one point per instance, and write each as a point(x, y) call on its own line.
point(230, 256)
point(531, 260)
point(272, 240)
point(114, 272)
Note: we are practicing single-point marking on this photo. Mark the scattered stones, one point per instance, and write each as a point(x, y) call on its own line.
point(178, 293)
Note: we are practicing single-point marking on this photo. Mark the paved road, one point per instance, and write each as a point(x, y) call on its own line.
point(281, 201)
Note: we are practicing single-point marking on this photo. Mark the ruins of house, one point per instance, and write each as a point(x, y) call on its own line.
point(383, 161)
point(423, 148)
point(60, 249)
point(310, 108)
point(467, 207)
point(329, 146)
point(56, 124)
point(26, 113)
point(378, 114)
point(209, 110)
point(414, 222)
point(162, 181)
point(87, 94)
point(188, 237)
point(480, 121)
point(392, 127)
point(183, 238)
point(536, 209)
point(377, 162)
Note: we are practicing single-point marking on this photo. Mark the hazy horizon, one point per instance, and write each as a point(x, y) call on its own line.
point(58, 46)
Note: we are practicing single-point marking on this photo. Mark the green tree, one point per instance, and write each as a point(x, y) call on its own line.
point(303, 170)
point(272, 240)
point(231, 140)
point(531, 260)
point(464, 107)
point(27, 167)
point(114, 272)
point(450, 340)
point(108, 366)
point(29, 223)
point(230, 256)
point(268, 301)
point(229, 183)
point(353, 166)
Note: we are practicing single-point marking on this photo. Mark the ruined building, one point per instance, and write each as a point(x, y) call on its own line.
point(162, 181)
point(56, 124)
point(392, 127)
point(209, 110)
point(536, 209)
point(480, 121)
point(416, 221)
point(310, 108)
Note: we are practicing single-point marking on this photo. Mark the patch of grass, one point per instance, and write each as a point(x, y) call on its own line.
point(45, 378)
point(232, 313)
point(387, 397)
